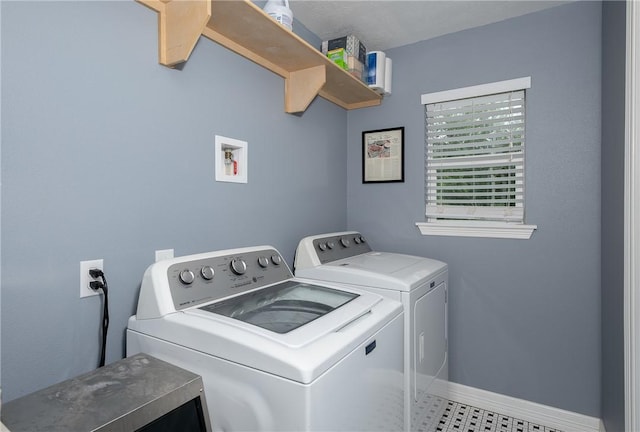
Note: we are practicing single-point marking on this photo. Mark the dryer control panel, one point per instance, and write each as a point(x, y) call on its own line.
point(339, 246)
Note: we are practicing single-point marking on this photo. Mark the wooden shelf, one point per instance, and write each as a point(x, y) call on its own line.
point(244, 28)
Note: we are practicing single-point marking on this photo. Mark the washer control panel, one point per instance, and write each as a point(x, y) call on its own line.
point(193, 282)
point(336, 247)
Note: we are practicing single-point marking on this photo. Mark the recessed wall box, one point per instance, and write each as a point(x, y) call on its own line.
point(231, 160)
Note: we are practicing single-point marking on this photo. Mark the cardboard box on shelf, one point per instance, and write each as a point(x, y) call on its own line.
point(356, 68)
point(351, 45)
point(349, 63)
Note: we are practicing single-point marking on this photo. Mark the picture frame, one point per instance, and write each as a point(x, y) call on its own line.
point(383, 155)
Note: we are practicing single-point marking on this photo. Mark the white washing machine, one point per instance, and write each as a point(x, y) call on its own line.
point(276, 353)
point(419, 283)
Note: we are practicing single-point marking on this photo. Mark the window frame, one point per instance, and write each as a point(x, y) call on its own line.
point(471, 227)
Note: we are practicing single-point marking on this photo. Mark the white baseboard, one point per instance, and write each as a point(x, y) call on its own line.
point(556, 418)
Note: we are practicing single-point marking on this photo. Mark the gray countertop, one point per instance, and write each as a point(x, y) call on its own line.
point(122, 396)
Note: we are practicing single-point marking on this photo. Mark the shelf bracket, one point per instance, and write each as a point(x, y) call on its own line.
point(180, 24)
point(302, 86)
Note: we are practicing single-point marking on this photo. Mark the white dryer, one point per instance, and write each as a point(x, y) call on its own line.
point(419, 283)
point(275, 352)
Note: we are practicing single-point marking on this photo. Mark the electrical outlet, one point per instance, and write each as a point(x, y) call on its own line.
point(85, 277)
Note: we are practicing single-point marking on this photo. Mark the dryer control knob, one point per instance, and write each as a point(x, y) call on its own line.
point(207, 272)
point(238, 266)
point(331, 245)
point(276, 259)
point(345, 242)
point(322, 246)
point(263, 261)
point(186, 277)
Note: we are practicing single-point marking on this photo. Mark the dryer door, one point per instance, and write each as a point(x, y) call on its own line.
point(430, 338)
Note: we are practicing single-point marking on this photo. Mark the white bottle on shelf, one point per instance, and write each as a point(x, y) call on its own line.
point(279, 11)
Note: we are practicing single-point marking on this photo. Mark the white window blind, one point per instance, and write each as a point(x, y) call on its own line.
point(475, 158)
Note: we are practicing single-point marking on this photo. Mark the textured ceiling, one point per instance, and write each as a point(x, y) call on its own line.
point(384, 24)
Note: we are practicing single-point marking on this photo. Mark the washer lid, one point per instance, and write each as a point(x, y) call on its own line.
point(284, 307)
point(378, 269)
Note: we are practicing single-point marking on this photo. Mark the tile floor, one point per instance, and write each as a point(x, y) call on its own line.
point(442, 415)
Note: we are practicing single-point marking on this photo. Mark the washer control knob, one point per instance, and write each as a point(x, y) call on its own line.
point(345, 242)
point(362, 240)
point(238, 266)
point(322, 246)
point(263, 261)
point(186, 277)
point(207, 272)
point(331, 245)
point(276, 259)
point(357, 239)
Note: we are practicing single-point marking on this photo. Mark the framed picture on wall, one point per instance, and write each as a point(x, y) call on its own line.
point(383, 155)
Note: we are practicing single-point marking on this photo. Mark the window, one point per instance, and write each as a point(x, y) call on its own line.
point(475, 161)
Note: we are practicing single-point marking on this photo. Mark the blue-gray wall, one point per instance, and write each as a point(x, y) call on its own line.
point(86, 109)
point(524, 314)
point(106, 154)
point(613, 113)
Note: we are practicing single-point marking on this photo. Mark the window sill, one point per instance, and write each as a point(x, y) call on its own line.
point(477, 229)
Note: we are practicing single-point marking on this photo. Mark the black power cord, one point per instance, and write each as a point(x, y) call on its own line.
point(96, 285)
